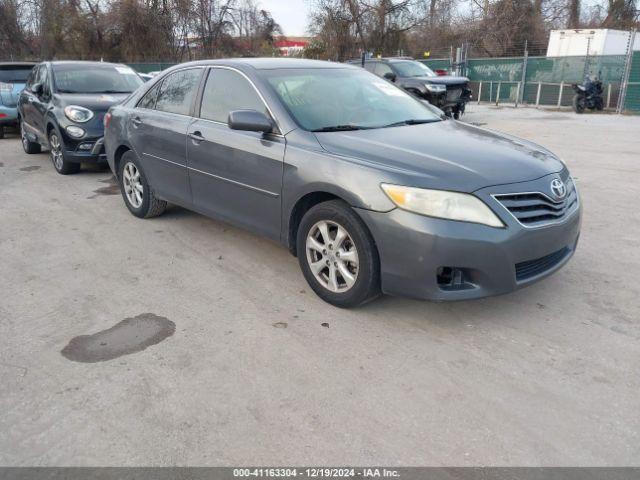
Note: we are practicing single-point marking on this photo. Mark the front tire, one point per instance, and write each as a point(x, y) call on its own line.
point(338, 256)
point(136, 192)
point(60, 163)
point(578, 104)
point(27, 145)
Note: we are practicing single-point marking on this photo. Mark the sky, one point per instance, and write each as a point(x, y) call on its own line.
point(290, 14)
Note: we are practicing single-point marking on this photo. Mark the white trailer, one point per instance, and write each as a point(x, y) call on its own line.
point(589, 41)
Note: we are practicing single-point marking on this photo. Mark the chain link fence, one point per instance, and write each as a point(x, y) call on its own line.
point(547, 81)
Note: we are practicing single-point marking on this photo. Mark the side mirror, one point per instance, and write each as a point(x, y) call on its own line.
point(37, 88)
point(249, 120)
point(390, 76)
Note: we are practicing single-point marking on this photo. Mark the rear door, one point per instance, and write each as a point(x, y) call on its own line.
point(234, 174)
point(158, 128)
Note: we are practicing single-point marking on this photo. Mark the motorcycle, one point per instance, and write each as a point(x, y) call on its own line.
point(588, 95)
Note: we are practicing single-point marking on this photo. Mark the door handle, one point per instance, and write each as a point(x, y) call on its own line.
point(136, 121)
point(196, 136)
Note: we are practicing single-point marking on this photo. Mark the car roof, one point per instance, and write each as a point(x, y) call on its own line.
point(267, 63)
point(17, 64)
point(83, 62)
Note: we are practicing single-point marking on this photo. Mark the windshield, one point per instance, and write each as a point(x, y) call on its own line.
point(14, 73)
point(107, 78)
point(413, 69)
point(348, 98)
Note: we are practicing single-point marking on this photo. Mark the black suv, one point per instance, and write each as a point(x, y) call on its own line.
point(62, 107)
point(449, 93)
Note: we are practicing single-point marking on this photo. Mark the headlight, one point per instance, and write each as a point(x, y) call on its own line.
point(435, 88)
point(75, 132)
point(442, 204)
point(78, 114)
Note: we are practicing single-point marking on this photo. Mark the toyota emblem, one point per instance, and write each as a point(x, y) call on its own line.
point(558, 188)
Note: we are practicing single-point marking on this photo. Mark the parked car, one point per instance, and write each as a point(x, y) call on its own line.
point(13, 77)
point(449, 93)
point(369, 187)
point(145, 76)
point(62, 107)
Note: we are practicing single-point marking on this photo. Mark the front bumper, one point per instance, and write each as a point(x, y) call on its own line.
point(414, 249)
point(84, 150)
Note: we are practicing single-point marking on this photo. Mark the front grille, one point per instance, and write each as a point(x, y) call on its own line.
point(453, 94)
point(534, 209)
point(531, 268)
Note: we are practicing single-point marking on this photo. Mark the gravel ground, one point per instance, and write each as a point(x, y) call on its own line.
point(249, 367)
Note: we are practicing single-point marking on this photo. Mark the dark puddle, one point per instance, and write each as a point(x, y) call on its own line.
point(1, 164)
point(30, 169)
point(131, 335)
point(111, 189)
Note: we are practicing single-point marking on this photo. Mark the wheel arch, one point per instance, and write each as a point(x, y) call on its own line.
point(307, 201)
point(117, 156)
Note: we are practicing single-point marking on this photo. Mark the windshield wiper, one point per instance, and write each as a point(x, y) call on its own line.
point(340, 128)
point(411, 121)
point(113, 91)
point(62, 90)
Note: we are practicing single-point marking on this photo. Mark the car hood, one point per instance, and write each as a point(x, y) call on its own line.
point(444, 80)
point(447, 155)
point(97, 102)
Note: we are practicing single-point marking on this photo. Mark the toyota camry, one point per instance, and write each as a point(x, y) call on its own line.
point(370, 188)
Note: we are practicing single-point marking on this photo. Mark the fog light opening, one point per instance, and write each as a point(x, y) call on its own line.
point(85, 146)
point(453, 278)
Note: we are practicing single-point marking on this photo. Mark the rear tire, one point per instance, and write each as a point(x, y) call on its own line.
point(1, 132)
point(578, 103)
point(137, 194)
point(338, 256)
point(27, 145)
point(58, 159)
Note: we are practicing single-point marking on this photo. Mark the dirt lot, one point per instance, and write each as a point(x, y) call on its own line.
point(260, 371)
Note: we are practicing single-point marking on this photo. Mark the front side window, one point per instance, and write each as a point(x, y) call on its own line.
point(178, 91)
point(382, 69)
point(94, 78)
point(328, 97)
point(33, 76)
point(370, 66)
point(413, 69)
point(149, 99)
point(225, 91)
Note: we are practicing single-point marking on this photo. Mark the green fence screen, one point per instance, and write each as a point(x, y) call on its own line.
point(548, 79)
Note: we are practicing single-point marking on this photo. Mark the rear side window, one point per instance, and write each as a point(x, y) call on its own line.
point(178, 91)
point(227, 90)
point(14, 73)
point(149, 99)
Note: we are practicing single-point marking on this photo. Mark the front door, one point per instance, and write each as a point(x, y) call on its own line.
point(235, 175)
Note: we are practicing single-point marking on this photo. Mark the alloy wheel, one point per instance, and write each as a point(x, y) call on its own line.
point(332, 256)
point(56, 151)
point(133, 187)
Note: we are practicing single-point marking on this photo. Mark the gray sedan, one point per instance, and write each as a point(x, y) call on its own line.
point(371, 189)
